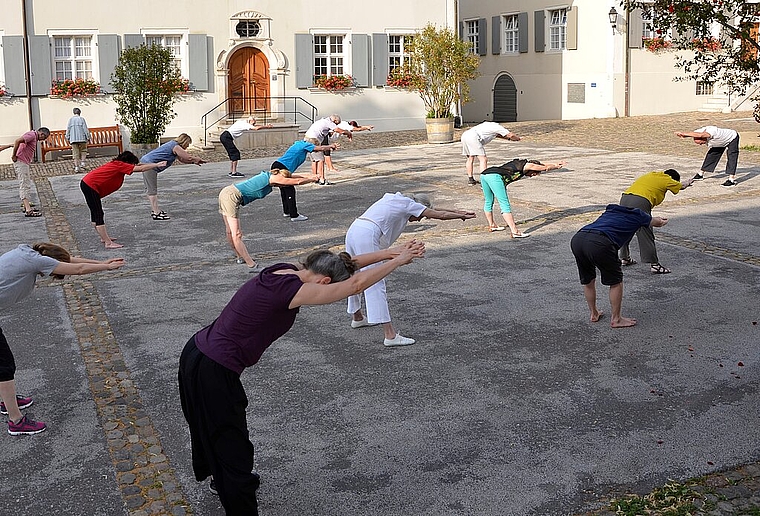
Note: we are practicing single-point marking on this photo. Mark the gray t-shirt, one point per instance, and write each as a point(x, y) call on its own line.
point(18, 272)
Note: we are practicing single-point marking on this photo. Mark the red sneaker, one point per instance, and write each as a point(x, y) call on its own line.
point(26, 426)
point(23, 402)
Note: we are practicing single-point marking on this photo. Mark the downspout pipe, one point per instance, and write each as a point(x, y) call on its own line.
point(27, 66)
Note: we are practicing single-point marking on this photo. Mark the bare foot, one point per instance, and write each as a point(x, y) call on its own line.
point(114, 245)
point(623, 322)
point(597, 316)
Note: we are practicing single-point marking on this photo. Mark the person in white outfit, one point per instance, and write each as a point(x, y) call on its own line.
point(377, 229)
point(316, 134)
point(717, 140)
point(229, 136)
point(474, 141)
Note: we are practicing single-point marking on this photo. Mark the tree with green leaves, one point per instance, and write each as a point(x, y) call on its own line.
point(145, 81)
point(440, 65)
point(720, 36)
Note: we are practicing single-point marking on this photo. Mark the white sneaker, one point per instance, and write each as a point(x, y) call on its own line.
point(398, 340)
point(361, 324)
point(300, 217)
point(286, 214)
point(76, 170)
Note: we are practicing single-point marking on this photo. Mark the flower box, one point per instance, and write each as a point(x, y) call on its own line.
point(333, 82)
point(68, 88)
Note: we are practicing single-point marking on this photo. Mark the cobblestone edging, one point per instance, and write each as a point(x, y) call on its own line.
point(145, 478)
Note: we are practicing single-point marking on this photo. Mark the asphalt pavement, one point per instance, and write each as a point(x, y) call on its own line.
point(511, 402)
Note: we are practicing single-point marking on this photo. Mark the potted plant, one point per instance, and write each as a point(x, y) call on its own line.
point(333, 82)
point(68, 88)
point(439, 67)
point(146, 82)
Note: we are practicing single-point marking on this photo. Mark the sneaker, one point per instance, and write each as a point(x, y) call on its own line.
point(698, 177)
point(325, 183)
point(286, 214)
point(239, 260)
point(398, 340)
point(76, 170)
point(729, 182)
point(23, 402)
point(471, 181)
point(361, 324)
point(212, 487)
point(300, 217)
point(236, 174)
point(321, 182)
point(161, 215)
point(26, 426)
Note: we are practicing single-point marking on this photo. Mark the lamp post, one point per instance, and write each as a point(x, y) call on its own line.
point(613, 18)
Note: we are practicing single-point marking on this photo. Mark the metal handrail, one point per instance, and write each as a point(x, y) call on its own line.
point(308, 113)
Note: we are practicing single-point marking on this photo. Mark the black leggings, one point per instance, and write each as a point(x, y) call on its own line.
point(229, 145)
point(213, 402)
point(7, 363)
point(287, 194)
point(94, 203)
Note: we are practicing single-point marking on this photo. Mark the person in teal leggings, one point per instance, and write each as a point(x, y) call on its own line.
point(494, 181)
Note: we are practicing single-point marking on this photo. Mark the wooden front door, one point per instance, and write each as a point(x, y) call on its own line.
point(248, 82)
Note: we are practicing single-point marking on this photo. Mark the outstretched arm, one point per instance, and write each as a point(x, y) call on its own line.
point(257, 127)
point(700, 135)
point(543, 167)
point(3, 147)
point(446, 214)
point(185, 156)
point(509, 136)
point(80, 266)
point(318, 294)
point(295, 180)
point(388, 254)
point(658, 222)
point(142, 167)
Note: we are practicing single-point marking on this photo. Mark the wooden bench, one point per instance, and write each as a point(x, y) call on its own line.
point(99, 137)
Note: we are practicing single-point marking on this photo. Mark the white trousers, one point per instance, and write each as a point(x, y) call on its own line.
point(24, 175)
point(364, 237)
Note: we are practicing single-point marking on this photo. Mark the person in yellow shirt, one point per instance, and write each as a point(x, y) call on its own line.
point(645, 193)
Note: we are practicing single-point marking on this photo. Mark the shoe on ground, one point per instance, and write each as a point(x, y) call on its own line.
point(161, 215)
point(471, 181)
point(239, 260)
point(729, 183)
point(236, 174)
point(22, 401)
point(321, 182)
point(520, 235)
point(361, 324)
point(698, 177)
point(326, 183)
point(212, 487)
point(496, 228)
point(76, 170)
point(286, 214)
point(300, 217)
point(398, 340)
point(26, 426)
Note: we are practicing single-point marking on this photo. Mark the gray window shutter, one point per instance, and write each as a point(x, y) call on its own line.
point(380, 65)
point(39, 59)
point(496, 34)
point(522, 31)
point(482, 44)
point(538, 22)
point(133, 40)
point(360, 59)
point(462, 35)
point(635, 29)
point(13, 57)
point(304, 60)
point(197, 53)
point(572, 28)
point(108, 58)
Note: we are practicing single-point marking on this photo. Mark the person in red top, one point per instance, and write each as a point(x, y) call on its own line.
point(105, 180)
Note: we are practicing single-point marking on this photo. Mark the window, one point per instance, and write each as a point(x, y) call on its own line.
point(171, 41)
point(471, 33)
point(704, 88)
point(398, 50)
point(248, 28)
point(329, 54)
point(72, 57)
point(511, 34)
point(557, 29)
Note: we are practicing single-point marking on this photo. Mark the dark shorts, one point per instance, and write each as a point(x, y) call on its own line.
point(7, 363)
point(326, 141)
point(229, 145)
point(276, 165)
point(94, 203)
point(594, 250)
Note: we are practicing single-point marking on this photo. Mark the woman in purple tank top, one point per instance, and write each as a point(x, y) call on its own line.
point(265, 308)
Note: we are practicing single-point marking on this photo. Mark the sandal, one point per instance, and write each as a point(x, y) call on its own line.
point(161, 215)
point(33, 213)
point(625, 262)
point(659, 269)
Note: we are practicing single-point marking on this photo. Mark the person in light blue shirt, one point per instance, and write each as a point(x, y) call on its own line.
point(232, 197)
point(168, 152)
point(290, 161)
point(77, 134)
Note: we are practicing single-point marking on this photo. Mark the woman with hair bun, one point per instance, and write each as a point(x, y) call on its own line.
point(263, 309)
point(19, 269)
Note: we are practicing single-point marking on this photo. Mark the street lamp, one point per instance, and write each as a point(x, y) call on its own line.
point(613, 18)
